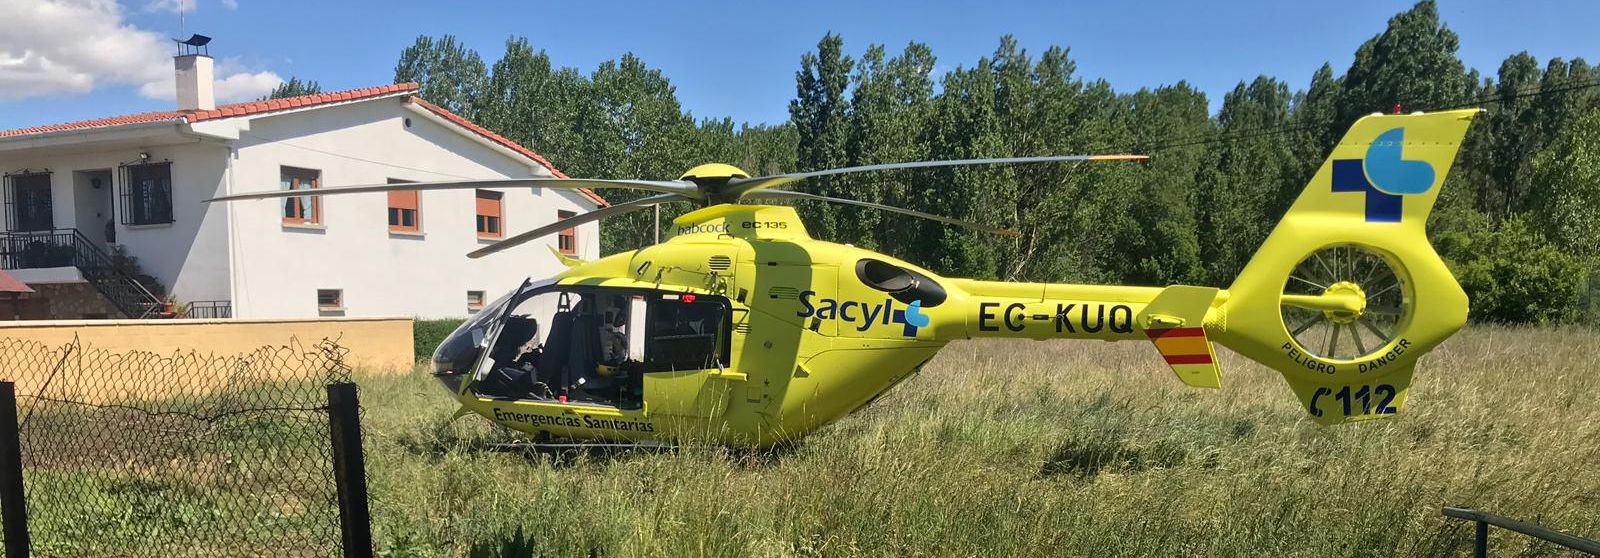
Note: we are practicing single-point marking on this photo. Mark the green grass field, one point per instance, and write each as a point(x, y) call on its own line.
point(1015, 448)
point(999, 448)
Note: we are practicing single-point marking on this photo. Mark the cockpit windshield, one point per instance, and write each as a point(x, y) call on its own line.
point(590, 344)
point(459, 352)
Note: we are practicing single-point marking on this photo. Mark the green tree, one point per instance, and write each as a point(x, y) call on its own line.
point(889, 108)
point(964, 126)
point(450, 74)
point(1255, 179)
point(1071, 215)
point(530, 101)
point(1512, 135)
point(1162, 246)
point(819, 114)
point(637, 130)
point(764, 150)
point(294, 88)
point(1316, 126)
point(1514, 222)
point(1510, 272)
point(1412, 63)
point(1566, 179)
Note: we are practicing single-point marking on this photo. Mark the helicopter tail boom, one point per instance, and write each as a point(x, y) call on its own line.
point(1346, 292)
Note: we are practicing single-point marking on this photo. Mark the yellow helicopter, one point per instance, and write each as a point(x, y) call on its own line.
point(742, 329)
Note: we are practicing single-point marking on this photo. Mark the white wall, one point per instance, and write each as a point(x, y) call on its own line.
point(279, 268)
point(189, 255)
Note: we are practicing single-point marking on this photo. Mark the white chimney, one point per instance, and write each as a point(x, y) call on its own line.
point(196, 89)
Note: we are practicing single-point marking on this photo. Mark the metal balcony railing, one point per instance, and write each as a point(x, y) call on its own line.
point(68, 247)
point(208, 309)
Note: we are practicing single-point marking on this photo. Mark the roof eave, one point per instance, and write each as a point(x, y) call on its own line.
point(81, 135)
point(439, 115)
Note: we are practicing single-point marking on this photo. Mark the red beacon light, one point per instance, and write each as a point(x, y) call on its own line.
point(688, 299)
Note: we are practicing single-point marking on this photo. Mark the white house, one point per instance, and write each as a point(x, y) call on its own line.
point(80, 194)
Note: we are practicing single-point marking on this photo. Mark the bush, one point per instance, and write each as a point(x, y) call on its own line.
point(428, 334)
point(1512, 274)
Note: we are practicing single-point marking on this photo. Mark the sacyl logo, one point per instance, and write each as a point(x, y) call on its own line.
point(863, 315)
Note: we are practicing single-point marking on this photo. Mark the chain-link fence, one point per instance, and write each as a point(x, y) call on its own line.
point(139, 454)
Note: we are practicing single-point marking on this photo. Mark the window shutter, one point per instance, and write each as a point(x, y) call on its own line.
point(488, 203)
point(403, 200)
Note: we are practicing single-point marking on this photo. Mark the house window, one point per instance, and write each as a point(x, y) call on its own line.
point(147, 194)
point(301, 210)
point(491, 223)
point(405, 213)
point(474, 301)
point(330, 300)
point(567, 239)
point(28, 202)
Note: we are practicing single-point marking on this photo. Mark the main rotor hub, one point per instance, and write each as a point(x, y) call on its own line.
point(1346, 289)
point(709, 171)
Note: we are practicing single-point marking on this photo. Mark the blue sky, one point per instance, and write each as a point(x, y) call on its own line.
point(738, 59)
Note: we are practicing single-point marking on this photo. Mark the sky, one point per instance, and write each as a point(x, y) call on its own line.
point(74, 59)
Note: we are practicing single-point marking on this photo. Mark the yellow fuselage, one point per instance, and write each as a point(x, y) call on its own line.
point(1342, 298)
point(810, 340)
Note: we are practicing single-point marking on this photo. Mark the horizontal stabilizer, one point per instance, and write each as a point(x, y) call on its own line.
point(1175, 322)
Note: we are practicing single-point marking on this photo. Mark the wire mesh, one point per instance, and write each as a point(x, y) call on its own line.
point(139, 454)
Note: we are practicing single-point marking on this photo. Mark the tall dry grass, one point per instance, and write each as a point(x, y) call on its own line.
point(1016, 448)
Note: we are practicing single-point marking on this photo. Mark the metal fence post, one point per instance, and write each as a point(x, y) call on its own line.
point(13, 502)
point(349, 470)
point(1480, 546)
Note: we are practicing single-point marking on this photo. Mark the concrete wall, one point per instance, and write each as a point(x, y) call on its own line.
point(377, 345)
point(279, 268)
point(75, 301)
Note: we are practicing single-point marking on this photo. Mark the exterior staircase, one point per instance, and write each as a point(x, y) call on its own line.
point(114, 279)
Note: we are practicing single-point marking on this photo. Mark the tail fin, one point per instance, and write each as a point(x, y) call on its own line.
point(1346, 293)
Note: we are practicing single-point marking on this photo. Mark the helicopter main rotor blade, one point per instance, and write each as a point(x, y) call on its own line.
point(792, 195)
point(575, 220)
point(677, 187)
point(740, 186)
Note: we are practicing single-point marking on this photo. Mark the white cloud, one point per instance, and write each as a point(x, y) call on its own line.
point(74, 46)
point(234, 82)
point(230, 4)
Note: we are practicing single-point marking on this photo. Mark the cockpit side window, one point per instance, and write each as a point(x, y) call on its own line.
point(687, 335)
point(594, 344)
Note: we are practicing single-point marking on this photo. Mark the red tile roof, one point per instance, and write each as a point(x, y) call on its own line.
point(254, 108)
point(289, 103)
point(497, 138)
point(96, 123)
point(9, 284)
point(225, 111)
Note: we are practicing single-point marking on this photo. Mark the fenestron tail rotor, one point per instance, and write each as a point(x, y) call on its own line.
point(1345, 302)
point(706, 185)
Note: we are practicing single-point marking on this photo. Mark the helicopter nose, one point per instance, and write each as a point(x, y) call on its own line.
point(450, 380)
point(456, 355)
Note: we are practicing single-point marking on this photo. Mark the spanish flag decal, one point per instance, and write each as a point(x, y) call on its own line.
point(1189, 353)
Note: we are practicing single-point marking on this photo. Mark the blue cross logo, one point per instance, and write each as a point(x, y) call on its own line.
point(912, 317)
point(1383, 176)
